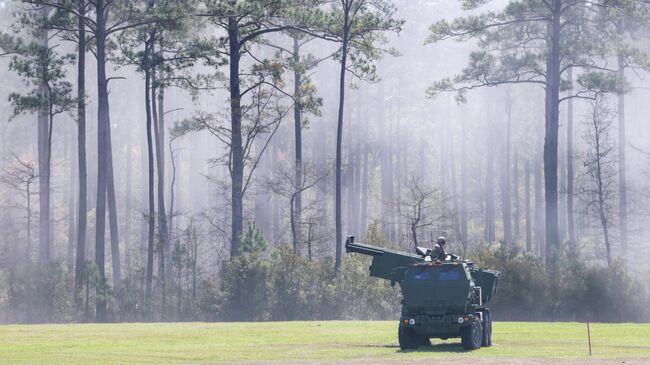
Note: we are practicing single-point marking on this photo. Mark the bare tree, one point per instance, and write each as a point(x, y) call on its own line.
point(422, 208)
point(20, 176)
point(288, 187)
point(260, 117)
point(599, 189)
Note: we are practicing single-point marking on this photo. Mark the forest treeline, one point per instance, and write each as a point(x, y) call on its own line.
point(203, 159)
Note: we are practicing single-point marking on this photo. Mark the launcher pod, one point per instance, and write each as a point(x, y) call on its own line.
point(442, 299)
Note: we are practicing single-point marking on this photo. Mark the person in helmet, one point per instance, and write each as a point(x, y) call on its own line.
point(438, 251)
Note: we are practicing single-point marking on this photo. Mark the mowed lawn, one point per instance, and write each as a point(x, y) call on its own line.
point(294, 342)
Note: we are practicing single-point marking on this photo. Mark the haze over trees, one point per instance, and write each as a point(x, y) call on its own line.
point(233, 144)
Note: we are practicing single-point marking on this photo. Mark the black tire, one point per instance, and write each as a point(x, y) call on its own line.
point(490, 332)
point(407, 337)
point(471, 336)
point(487, 329)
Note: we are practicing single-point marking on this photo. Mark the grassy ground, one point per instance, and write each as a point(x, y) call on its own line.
point(324, 342)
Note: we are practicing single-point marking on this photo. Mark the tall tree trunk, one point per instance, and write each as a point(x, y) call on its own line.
point(529, 223)
point(442, 142)
point(144, 206)
point(539, 210)
point(505, 199)
point(505, 179)
point(128, 205)
point(358, 166)
point(28, 248)
point(172, 188)
point(490, 225)
point(293, 223)
point(71, 206)
point(112, 218)
point(570, 174)
point(44, 168)
point(276, 219)
point(164, 263)
point(479, 190)
point(103, 130)
point(161, 166)
point(396, 159)
point(622, 179)
point(297, 126)
point(444, 166)
point(362, 161)
point(463, 186)
point(140, 234)
point(112, 213)
point(179, 293)
point(551, 141)
point(356, 188)
point(365, 188)
point(82, 214)
point(319, 156)
point(386, 169)
point(454, 187)
point(561, 199)
point(339, 141)
point(562, 178)
point(150, 172)
point(517, 205)
point(237, 152)
point(349, 178)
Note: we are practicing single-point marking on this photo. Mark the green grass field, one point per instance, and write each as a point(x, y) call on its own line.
point(325, 342)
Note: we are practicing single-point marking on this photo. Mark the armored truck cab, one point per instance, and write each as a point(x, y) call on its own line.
point(441, 299)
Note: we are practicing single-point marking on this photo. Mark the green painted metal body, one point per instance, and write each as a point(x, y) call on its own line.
point(439, 298)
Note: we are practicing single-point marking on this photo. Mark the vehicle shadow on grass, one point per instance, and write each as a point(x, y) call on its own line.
point(439, 347)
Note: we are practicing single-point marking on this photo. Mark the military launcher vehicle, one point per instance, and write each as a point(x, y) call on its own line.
point(441, 299)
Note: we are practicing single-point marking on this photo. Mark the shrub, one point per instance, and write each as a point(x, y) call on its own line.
point(246, 288)
point(580, 292)
point(245, 283)
point(522, 292)
point(300, 286)
point(39, 293)
point(208, 302)
point(358, 296)
point(283, 286)
point(4, 296)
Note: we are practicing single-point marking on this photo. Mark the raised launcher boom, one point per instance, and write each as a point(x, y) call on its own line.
point(442, 299)
point(385, 262)
point(391, 265)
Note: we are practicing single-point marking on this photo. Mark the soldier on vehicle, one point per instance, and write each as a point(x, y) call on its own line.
point(438, 251)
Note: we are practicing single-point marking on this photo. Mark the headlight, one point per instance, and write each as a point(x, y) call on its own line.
point(411, 321)
point(460, 320)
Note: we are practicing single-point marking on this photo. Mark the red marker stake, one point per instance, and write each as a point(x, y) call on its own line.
point(589, 336)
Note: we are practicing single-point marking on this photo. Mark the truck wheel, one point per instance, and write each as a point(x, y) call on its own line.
point(407, 338)
point(471, 336)
point(487, 329)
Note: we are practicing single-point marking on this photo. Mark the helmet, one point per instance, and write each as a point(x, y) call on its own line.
point(441, 240)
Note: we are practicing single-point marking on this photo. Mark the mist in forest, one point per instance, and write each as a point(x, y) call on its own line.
point(196, 175)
